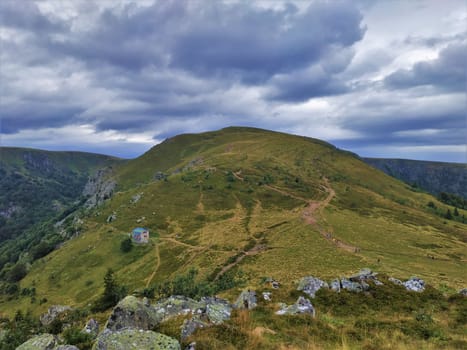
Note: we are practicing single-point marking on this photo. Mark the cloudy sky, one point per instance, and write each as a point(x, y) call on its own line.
point(379, 78)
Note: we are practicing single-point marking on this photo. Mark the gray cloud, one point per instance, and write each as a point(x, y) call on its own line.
point(137, 72)
point(448, 71)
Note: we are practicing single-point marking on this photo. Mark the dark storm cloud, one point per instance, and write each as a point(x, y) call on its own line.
point(448, 71)
point(240, 40)
point(35, 115)
point(131, 70)
point(174, 59)
point(411, 121)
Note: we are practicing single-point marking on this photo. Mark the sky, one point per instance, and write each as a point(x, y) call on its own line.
point(379, 78)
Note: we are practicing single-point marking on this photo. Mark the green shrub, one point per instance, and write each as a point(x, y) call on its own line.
point(126, 245)
point(74, 336)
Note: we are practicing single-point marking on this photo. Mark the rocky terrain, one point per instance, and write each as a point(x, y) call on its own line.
point(133, 321)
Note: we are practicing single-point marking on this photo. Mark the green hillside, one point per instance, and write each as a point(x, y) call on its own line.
point(36, 187)
point(242, 204)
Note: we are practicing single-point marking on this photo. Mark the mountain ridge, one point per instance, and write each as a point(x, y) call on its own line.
point(432, 176)
point(230, 209)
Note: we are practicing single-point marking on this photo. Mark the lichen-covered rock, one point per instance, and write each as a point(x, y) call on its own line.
point(463, 292)
point(191, 325)
point(415, 284)
point(177, 305)
point(66, 347)
point(395, 281)
point(217, 310)
point(310, 285)
point(131, 312)
point(39, 342)
point(335, 285)
point(134, 339)
point(365, 274)
point(92, 328)
point(301, 306)
point(354, 286)
point(52, 313)
point(246, 300)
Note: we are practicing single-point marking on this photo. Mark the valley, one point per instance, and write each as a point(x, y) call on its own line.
point(241, 205)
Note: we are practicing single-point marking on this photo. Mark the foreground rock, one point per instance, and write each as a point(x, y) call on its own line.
point(91, 328)
point(52, 313)
point(131, 312)
point(215, 312)
point(301, 306)
point(39, 342)
point(246, 300)
point(134, 339)
point(177, 305)
point(310, 285)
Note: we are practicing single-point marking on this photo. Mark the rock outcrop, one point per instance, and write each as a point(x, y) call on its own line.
point(246, 300)
point(99, 187)
point(91, 328)
point(217, 310)
point(301, 306)
point(310, 285)
point(177, 305)
point(131, 312)
point(414, 284)
point(134, 339)
point(52, 313)
point(40, 342)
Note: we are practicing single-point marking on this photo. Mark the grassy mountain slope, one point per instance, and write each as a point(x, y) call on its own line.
point(36, 183)
point(251, 203)
point(434, 177)
point(36, 186)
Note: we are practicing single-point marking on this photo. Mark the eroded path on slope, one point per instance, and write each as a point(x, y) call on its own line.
point(158, 264)
point(313, 213)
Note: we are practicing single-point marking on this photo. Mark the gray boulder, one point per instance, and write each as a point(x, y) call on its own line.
point(354, 286)
point(52, 313)
point(134, 339)
point(310, 285)
point(131, 312)
point(191, 325)
point(335, 285)
point(395, 281)
point(414, 284)
point(217, 310)
point(66, 347)
point(301, 306)
point(366, 274)
point(92, 328)
point(177, 305)
point(39, 342)
point(246, 300)
point(463, 292)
